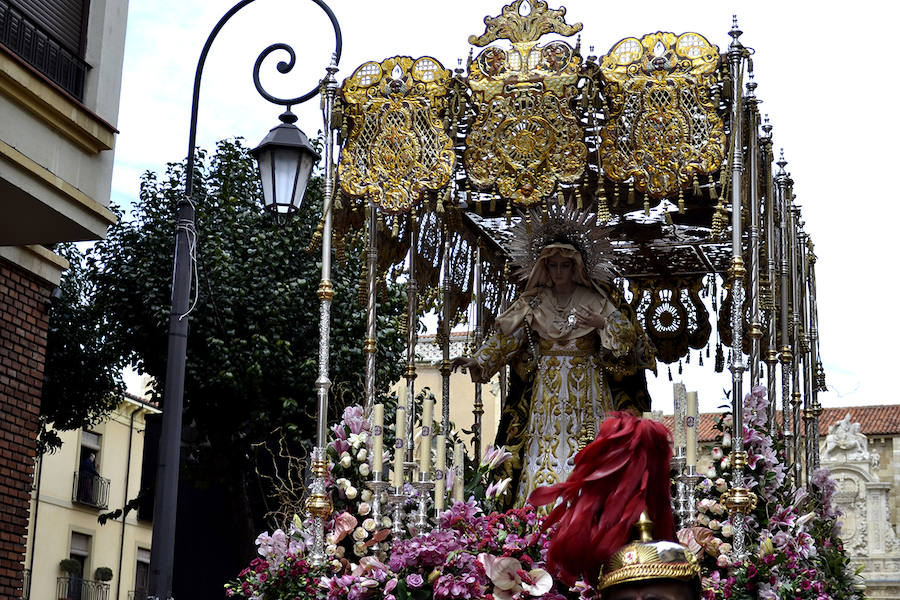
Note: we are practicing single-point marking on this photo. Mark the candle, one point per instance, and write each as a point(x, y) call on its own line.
point(458, 472)
point(678, 439)
point(440, 479)
point(690, 427)
point(377, 438)
point(399, 435)
point(425, 443)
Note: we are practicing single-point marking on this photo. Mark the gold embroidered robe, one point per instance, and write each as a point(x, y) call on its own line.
point(569, 385)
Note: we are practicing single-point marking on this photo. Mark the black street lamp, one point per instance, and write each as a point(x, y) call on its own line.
point(284, 161)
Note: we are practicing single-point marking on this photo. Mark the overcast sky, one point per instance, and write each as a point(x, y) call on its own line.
point(826, 78)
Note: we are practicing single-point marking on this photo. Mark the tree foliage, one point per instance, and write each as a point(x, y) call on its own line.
point(82, 371)
point(252, 355)
point(254, 326)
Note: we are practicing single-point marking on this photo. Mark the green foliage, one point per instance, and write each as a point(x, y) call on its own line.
point(103, 574)
point(254, 327)
point(83, 365)
point(70, 565)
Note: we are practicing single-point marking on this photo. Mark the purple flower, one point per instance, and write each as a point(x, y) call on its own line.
point(414, 580)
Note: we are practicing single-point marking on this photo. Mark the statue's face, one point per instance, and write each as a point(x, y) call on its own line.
point(650, 590)
point(561, 270)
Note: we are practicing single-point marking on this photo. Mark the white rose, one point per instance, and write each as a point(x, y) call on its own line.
point(339, 552)
point(721, 485)
point(364, 469)
point(359, 534)
point(727, 530)
point(331, 550)
point(714, 525)
point(369, 524)
point(359, 549)
point(386, 522)
point(331, 539)
point(351, 492)
point(363, 509)
point(361, 455)
point(724, 548)
point(343, 483)
point(702, 519)
point(336, 564)
point(346, 461)
point(366, 496)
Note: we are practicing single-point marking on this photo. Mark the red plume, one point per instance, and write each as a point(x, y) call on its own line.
point(623, 472)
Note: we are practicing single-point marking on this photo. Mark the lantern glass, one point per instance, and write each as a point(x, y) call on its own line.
point(285, 158)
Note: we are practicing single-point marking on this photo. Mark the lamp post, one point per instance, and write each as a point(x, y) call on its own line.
point(285, 159)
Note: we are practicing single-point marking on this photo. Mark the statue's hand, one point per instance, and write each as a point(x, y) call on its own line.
point(589, 317)
point(467, 362)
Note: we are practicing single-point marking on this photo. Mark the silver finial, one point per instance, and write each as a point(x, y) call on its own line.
point(735, 32)
point(767, 127)
point(781, 162)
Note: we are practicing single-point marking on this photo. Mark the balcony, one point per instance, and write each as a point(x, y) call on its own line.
point(90, 490)
point(137, 595)
point(76, 588)
point(28, 40)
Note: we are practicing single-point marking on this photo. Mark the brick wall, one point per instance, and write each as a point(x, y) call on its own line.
point(23, 338)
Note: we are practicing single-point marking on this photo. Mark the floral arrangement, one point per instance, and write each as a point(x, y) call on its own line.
point(791, 536)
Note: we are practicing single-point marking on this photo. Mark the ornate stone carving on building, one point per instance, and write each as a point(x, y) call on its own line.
point(863, 499)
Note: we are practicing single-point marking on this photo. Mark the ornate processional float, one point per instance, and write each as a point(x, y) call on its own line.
point(654, 156)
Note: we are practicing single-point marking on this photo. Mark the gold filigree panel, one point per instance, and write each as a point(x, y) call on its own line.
point(525, 138)
point(663, 126)
point(397, 147)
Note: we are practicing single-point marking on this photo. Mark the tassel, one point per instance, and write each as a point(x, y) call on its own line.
point(679, 367)
point(680, 201)
point(647, 205)
point(615, 194)
point(631, 197)
point(508, 213)
point(696, 184)
point(670, 372)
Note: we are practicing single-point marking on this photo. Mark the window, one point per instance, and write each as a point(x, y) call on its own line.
point(142, 574)
point(90, 487)
point(70, 587)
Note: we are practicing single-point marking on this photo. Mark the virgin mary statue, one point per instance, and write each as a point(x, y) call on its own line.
point(576, 350)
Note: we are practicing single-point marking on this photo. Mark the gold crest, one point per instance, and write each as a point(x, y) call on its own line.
point(397, 147)
point(663, 125)
point(525, 137)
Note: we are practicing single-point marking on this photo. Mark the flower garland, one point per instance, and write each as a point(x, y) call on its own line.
point(792, 535)
point(795, 552)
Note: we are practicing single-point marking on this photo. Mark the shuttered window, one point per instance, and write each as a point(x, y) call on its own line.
point(63, 19)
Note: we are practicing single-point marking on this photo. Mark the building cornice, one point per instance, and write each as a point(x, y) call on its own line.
point(37, 260)
point(87, 204)
point(55, 108)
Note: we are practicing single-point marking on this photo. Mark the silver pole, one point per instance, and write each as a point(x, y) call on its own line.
point(371, 345)
point(796, 301)
point(815, 360)
point(786, 356)
point(412, 309)
point(771, 274)
point(739, 499)
point(478, 409)
point(318, 504)
point(808, 367)
point(756, 331)
point(445, 338)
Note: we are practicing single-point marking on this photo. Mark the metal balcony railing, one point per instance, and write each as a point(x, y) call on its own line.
point(76, 588)
point(41, 50)
point(137, 595)
point(91, 490)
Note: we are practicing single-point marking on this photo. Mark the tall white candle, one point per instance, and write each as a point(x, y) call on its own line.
point(440, 476)
point(678, 439)
point(425, 439)
point(377, 437)
point(691, 424)
point(399, 437)
point(458, 471)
